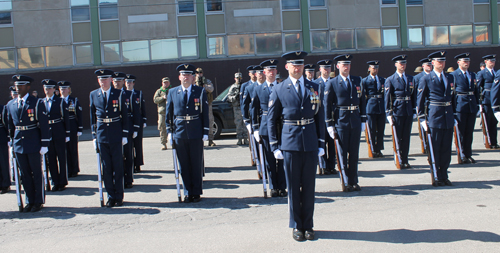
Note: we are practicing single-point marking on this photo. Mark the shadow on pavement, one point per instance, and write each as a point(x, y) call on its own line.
point(63, 213)
point(407, 236)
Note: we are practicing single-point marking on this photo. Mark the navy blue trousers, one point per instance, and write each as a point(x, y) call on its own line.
point(129, 160)
point(377, 129)
point(138, 153)
point(466, 122)
point(491, 123)
point(329, 156)
point(56, 161)
point(275, 169)
point(349, 141)
point(300, 170)
point(441, 144)
point(72, 153)
point(112, 167)
point(190, 155)
point(31, 174)
point(4, 165)
point(403, 131)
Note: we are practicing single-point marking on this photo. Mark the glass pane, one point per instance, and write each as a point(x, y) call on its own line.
point(342, 39)
point(5, 18)
point(83, 54)
point(164, 49)
point(7, 60)
point(80, 13)
point(319, 40)
point(390, 37)
point(79, 2)
point(436, 35)
point(482, 34)
point(30, 58)
point(269, 43)
point(240, 44)
point(413, 2)
point(5, 5)
point(214, 5)
point(292, 42)
point(289, 4)
point(188, 48)
point(59, 56)
point(108, 9)
point(135, 51)
point(368, 38)
point(415, 37)
point(481, 1)
point(186, 6)
point(111, 52)
point(316, 3)
point(388, 1)
point(216, 46)
point(461, 34)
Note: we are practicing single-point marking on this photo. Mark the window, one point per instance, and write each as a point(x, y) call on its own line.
point(269, 43)
point(317, 3)
point(186, 6)
point(342, 39)
point(481, 33)
point(390, 37)
point(135, 51)
point(32, 57)
point(461, 34)
point(83, 54)
point(164, 49)
point(214, 5)
point(414, 2)
point(5, 12)
point(189, 48)
point(216, 46)
point(415, 37)
point(7, 60)
point(481, 1)
point(80, 10)
point(319, 40)
point(289, 4)
point(58, 56)
point(388, 1)
point(436, 35)
point(108, 9)
point(292, 42)
point(111, 52)
point(240, 44)
point(368, 38)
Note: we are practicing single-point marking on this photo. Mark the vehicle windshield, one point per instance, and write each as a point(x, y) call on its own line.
point(223, 95)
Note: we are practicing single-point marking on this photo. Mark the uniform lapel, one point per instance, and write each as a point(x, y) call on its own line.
point(290, 88)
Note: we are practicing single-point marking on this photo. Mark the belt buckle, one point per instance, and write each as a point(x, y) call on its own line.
point(303, 122)
point(188, 118)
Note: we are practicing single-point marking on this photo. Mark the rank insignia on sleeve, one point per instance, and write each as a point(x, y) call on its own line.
point(326, 92)
point(419, 90)
point(270, 103)
point(387, 88)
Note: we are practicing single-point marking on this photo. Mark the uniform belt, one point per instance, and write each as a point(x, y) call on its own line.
point(466, 93)
point(264, 112)
point(440, 103)
point(109, 120)
point(300, 122)
point(187, 117)
point(375, 96)
point(54, 121)
point(348, 108)
point(403, 98)
point(487, 89)
point(24, 128)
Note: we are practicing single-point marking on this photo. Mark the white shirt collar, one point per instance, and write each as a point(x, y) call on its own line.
point(324, 80)
point(50, 98)
point(348, 77)
point(188, 88)
point(301, 79)
point(23, 98)
point(400, 75)
point(490, 70)
point(373, 76)
point(438, 73)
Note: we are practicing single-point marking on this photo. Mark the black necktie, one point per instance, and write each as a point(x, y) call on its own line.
point(185, 96)
point(403, 78)
point(466, 78)
point(299, 90)
point(271, 87)
point(348, 86)
point(20, 109)
point(442, 81)
point(105, 98)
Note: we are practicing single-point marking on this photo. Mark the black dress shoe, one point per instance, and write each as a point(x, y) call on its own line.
point(407, 166)
point(188, 199)
point(137, 169)
point(440, 183)
point(349, 188)
point(128, 185)
point(275, 193)
point(472, 160)
point(356, 187)
point(61, 188)
point(283, 193)
point(110, 203)
point(119, 202)
point(447, 182)
point(333, 172)
point(36, 208)
point(466, 161)
point(55, 188)
point(495, 146)
point(380, 154)
point(5, 190)
point(27, 208)
point(196, 198)
point(309, 234)
point(298, 235)
point(327, 172)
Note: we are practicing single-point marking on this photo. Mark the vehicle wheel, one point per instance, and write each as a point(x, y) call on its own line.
point(217, 128)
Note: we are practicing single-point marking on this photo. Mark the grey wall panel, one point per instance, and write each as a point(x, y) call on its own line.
point(354, 13)
point(268, 23)
point(440, 12)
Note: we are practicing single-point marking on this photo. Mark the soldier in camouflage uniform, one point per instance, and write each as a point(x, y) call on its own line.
point(233, 96)
point(160, 99)
point(209, 88)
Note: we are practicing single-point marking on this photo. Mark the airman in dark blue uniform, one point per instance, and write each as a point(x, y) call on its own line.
point(426, 67)
point(297, 103)
point(13, 92)
point(75, 127)
point(437, 89)
point(58, 116)
point(133, 125)
point(310, 70)
point(139, 108)
point(485, 79)
point(29, 132)
point(253, 78)
point(4, 152)
point(345, 108)
point(375, 107)
point(247, 98)
point(325, 68)
point(400, 105)
point(110, 127)
point(187, 125)
point(259, 108)
point(467, 101)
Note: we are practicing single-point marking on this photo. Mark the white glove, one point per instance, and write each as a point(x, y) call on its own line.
point(169, 139)
point(95, 145)
point(389, 118)
point(44, 150)
point(321, 152)
point(124, 140)
point(424, 125)
point(497, 115)
point(414, 116)
point(278, 155)
point(331, 132)
point(456, 123)
point(363, 126)
point(205, 137)
point(9, 143)
point(145, 125)
point(79, 134)
point(67, 139)
point(256, 135)
point(134, 135)
point(249, 128)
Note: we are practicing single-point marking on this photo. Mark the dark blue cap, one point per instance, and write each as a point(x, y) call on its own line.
point(374, 63)
point(186, 68)
point(464, 56)
point(104, 73)
point(130, 77)
point(22, 79)
point(64, 84)
point(270, 64)
point(309, 67)
point(258, 68)
point(438, 55)
point(399, 58)
point(296, 57)
point(13, 89)
point(490, 56)
point(345, 58)
point(49, 83)
point(250, 68)
point(325, 63)
point(119, 75)
point(425, 60)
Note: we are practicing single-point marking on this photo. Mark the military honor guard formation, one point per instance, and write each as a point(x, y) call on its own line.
point(295, 127)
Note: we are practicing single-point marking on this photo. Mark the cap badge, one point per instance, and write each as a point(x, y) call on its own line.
point(186, 66)
point(297, 53)
point(102, 71)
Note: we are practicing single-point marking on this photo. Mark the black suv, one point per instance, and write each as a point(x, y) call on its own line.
point(223, 114)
